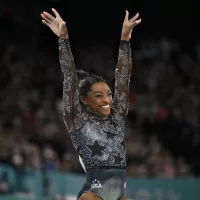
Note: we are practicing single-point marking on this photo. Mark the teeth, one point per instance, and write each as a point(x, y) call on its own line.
point(106, 106)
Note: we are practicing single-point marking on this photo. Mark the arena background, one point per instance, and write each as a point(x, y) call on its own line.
point(37, 159)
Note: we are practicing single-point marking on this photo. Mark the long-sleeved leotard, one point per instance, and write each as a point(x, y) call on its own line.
point(98, 140)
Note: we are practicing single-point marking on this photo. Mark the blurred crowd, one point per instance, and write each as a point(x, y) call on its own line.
point(162, 134)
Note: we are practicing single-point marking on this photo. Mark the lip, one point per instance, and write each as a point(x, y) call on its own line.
point(105, 106)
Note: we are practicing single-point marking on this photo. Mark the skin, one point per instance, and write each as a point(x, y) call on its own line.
point(100, 95)
point(58, 26)
point(92, 196)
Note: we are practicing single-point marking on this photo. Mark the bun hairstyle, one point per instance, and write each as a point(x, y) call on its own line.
point(86, 81)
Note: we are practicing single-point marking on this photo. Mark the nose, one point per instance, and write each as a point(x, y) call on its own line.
point(107, 100)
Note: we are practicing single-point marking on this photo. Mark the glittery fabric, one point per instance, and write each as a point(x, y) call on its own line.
point(98, 140)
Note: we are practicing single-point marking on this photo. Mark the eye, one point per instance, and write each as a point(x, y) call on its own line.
point(98, 95)
point(110, 94)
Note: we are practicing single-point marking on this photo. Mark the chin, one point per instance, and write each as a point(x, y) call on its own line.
point(104, 114)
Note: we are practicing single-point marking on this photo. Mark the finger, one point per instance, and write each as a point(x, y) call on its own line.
point(55, 12)
point(45, 22)
point(50, 17)
point(45, 18)
point(126, 16)
point(134, 18)
point(135, 23)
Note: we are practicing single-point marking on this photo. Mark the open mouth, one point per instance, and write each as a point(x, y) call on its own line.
point(106, 106)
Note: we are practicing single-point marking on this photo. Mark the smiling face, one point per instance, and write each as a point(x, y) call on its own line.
point(99, 99)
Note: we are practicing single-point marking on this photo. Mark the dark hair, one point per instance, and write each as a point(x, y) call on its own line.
point(86, 81)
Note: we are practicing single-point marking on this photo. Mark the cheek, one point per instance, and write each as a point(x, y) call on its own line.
point(94, 102)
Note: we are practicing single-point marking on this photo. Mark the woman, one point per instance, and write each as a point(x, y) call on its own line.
point(94, 120)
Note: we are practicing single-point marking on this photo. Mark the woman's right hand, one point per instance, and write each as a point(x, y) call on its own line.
point(56, 24)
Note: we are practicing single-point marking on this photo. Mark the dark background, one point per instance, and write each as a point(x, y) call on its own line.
point(31, 80)
point(92, 23)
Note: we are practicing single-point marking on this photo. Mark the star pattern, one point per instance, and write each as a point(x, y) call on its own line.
point(99, 140)
point(97, 149)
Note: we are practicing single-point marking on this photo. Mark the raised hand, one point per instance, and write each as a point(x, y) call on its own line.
point(56, 24)
point(128, 26)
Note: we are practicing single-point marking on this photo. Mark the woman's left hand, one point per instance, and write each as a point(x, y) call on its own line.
point(128, 26)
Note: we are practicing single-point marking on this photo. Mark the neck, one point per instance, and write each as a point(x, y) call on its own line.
point(96, 113)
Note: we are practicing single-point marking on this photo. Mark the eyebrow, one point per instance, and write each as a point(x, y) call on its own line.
point(101, 92)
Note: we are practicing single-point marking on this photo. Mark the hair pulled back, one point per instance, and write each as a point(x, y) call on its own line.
point(86, 81)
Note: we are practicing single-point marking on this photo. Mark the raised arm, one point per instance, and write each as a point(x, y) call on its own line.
point(124, 67)
point(71, 103)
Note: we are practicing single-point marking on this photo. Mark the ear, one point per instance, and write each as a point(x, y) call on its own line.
point(83, 100)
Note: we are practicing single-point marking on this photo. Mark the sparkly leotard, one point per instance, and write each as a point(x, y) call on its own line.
point(98, 140)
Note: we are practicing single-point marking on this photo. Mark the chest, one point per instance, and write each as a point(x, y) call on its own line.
point(102, 131)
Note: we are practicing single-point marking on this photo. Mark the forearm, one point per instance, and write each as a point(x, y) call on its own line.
point(69, 83)
point(64, 36)
point(122, 77)
point(124, 64)
point(66, 58)
point(125, 37)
